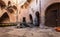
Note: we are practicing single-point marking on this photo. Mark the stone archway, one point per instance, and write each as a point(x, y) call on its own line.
point(52, 15)
point(4, 18)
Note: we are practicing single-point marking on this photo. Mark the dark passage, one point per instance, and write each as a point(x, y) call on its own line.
point(37, 19)
point(4, 17)
point(24, 23)
point(31, 19)
point(52, 15)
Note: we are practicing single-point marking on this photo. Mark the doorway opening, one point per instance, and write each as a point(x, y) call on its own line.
point(4, 18)
point(52, 15)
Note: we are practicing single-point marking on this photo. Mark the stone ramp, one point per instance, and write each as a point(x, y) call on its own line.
point(34, 32)
point(19, 32)
point(27, 32)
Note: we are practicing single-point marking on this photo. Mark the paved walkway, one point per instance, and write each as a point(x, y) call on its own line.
point(27, 32)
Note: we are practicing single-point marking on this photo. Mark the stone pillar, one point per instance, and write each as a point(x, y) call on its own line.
point(42, 15)
point(42, 24)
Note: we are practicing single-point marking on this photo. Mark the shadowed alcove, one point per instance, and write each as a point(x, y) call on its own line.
point(52, 15)
point(4, 18)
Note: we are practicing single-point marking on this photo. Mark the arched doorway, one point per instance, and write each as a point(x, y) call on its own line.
point(4, 18)
point(52, 15)
point(37, 18)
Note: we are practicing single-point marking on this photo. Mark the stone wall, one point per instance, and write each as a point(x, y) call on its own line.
point(44, 5)
point(18, 14)
point(39, 5)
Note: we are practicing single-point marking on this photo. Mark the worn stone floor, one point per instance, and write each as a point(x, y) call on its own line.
point(27, 32)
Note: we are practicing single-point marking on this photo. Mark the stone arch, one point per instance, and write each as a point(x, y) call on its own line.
point(4, 18)
point(52, 15)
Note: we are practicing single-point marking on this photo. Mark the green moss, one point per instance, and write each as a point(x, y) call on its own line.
point(5, 25)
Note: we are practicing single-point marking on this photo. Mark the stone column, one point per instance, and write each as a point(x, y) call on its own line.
point(42, 15)
point(42, 22)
